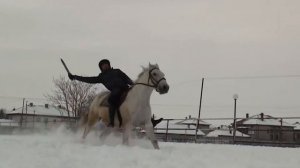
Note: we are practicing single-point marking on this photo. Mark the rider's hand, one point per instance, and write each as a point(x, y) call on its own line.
point(71, 76)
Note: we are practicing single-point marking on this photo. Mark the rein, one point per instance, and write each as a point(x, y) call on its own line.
point(155, 82)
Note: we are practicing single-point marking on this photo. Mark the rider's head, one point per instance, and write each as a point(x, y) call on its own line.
point(104, 65)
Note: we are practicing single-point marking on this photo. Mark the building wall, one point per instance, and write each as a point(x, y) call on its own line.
point(287, 134)
point(271, 133)
point(297, 136)
point(264, 133)
point(268, 133)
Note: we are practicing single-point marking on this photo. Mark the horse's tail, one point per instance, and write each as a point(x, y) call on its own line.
point(83, 120)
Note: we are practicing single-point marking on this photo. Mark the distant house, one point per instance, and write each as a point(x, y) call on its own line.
point(192, 123)
point(296, 132)
point(263, 127)
point(39, 116)
point(226, 132)
point(174, 130)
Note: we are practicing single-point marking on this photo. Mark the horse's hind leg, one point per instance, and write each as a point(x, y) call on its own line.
point(90, 123)
point(126, 134)
point(87, 129)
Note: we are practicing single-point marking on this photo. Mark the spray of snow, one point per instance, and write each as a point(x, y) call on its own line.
point(63, 149)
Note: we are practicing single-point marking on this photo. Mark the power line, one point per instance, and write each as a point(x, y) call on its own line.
point(256, 77)
point(176, 105)
point(240, 118)
point(226, 106)
point(235, 77)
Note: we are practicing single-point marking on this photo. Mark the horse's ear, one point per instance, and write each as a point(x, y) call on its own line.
point(151, 66)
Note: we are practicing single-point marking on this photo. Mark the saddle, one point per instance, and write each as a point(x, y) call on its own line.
point(122, 99)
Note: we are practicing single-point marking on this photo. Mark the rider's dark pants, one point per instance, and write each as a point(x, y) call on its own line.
point(114, 102)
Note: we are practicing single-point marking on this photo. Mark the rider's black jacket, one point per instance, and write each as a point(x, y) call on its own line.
point(111, 79)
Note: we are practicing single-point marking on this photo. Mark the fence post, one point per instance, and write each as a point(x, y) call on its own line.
point(21, 120)
point(167, 130)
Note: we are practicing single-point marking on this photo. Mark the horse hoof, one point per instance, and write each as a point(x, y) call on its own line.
point(155, 145)
point(81, 141)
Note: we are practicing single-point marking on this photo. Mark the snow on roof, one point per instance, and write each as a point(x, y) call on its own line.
point(5, 122)
point(193, 121)
point(296, 126)
point(267, 120)
point(41, 110)
point(225, 132)
point(176, 128)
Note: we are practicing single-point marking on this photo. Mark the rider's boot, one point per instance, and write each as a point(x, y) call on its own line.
point(112, 111)
point(119, 118)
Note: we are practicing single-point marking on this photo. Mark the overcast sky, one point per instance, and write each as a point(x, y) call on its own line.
point(189, 39)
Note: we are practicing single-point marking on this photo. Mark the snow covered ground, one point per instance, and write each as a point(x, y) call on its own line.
point(63, 149)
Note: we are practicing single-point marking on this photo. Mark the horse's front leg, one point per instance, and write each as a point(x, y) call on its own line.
point(150, 134)
point(105, 133)
point(87, 129)
point(126, 134)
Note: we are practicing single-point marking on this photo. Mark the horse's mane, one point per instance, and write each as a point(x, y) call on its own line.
point(146, 69)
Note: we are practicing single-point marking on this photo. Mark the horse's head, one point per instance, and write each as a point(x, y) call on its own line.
point(157, 79)
point(153, 77)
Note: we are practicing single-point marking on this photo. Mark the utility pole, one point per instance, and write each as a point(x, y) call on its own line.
point(21, 121)
point(26, 114)
point(235, 97)
point(200, 105)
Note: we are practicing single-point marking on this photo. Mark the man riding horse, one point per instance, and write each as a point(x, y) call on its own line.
point(114, 80)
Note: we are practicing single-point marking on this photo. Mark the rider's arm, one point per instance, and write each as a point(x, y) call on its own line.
point(126, 78)
point(93, 79)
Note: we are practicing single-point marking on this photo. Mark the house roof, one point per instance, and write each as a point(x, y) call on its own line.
point(193, 121)
point(41, 110)
point(11, 123)
point(175, 127)
point(225, 131)
point(267, 120)
point(296, 126)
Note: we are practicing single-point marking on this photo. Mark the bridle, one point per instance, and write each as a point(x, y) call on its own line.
point(155, 82)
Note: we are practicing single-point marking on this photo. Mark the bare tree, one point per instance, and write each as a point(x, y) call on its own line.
point(74, 96)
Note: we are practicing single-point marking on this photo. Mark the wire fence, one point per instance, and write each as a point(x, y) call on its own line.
point(269, 132)
point(179, 130)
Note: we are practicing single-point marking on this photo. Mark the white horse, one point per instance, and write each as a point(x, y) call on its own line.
point(135, 110)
